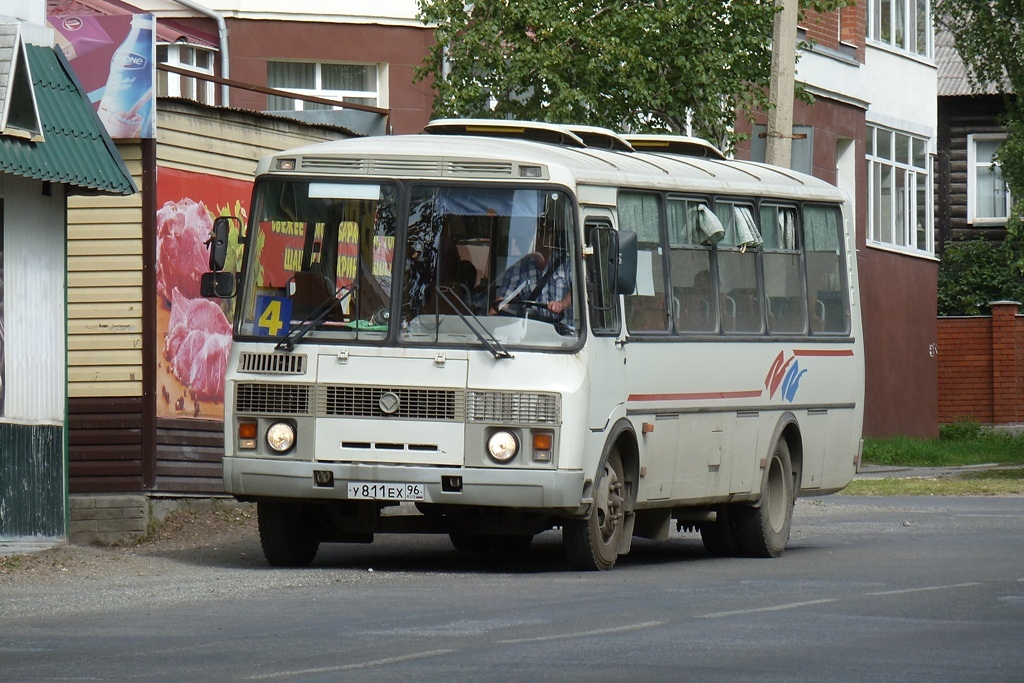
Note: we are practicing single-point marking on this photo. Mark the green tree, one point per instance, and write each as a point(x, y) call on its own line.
point(989, 37)
point(630, 65)
point(973, 273)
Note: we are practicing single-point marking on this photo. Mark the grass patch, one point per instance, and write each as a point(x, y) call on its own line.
point(969, 447)
point(991, 483)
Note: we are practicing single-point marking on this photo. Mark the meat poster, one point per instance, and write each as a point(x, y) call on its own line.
point(194, 333)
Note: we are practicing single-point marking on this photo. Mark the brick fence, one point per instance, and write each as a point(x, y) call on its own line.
point(981, 367)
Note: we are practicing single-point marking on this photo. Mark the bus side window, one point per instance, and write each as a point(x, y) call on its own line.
point(783, 273)
point(647, 307)
point(826, 281)
point(740, 300)
point(693, 286)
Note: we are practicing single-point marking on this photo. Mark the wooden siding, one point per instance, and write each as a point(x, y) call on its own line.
point(188, 456)
point(105, 291)
point(105, 444)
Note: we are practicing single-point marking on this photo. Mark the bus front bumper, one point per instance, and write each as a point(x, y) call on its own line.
point(261, 478)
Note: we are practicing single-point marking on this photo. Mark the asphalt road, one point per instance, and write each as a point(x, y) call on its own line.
point(870, 589)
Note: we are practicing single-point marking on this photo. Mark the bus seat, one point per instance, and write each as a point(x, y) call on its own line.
point(646, 313)
point(693, 311)
point(309, 291)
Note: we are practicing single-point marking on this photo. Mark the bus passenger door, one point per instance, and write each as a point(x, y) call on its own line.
point(605, 352)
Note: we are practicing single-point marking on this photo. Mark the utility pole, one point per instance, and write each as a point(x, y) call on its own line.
point(779, 142)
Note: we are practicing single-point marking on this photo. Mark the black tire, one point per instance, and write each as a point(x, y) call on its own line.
point(719, 537)
point(482, 543)
point(593, 543)
point(763, 531)
point(285, 534)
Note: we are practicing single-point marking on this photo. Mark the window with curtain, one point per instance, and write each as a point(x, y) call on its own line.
point(355, 83)
point(988, 196)
point(694, 288)
point(646, 308)
point(739, 302)
point(826, 280)
point(783, 275)
point(901, 24)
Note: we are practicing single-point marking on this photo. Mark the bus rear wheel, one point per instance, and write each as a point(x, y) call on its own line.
point(719, 537)
point(285, 534)
point(593, 543)
point(763, 531)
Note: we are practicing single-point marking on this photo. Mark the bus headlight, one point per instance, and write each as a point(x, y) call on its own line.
point(281, 437)
point(502, 446)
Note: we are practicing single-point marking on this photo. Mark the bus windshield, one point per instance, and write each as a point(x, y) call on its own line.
point(477, 266)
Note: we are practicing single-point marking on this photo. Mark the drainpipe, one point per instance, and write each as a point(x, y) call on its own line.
point(222, 33)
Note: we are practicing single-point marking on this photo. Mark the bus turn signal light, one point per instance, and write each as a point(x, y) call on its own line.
point(247, 435)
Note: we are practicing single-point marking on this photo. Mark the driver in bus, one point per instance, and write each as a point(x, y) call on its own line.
point(544, 277)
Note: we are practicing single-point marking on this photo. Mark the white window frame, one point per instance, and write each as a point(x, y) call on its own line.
point(179, 86)
point(339, 95)
point(910, 12)
point(905, 203)
point(972, 185)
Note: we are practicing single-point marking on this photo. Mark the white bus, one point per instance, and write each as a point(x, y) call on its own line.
point(493, 329)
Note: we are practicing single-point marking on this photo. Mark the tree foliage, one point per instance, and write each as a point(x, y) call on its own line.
point(631, 65)
point(974, 273)
point(989, 36)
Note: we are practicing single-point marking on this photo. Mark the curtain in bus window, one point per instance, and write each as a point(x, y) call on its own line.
point(747, 234)
point(710, 225)
point(826, 291)
point(646, 308)
point(778, 227)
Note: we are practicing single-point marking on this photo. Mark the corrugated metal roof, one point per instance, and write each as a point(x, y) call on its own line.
point(953, 80)
point(76, 149)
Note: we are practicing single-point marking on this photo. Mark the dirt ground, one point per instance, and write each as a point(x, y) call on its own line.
point(182, 533)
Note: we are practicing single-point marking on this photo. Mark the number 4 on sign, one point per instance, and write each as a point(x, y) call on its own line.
point(271, 314)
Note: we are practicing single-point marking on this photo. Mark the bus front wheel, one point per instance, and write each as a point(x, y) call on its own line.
point(593, 543)
point(763, 531)
point(285, 534)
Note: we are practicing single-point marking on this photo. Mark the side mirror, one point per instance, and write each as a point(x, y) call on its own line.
point(625, 276)
point(218, 285)
point(218, 241)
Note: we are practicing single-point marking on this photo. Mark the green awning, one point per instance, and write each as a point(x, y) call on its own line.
point(75, 149)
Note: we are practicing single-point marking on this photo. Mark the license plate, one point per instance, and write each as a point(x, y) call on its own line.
point(364, 490)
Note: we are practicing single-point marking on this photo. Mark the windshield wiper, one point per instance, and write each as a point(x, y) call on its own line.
point(290, 338)
point(483, 334)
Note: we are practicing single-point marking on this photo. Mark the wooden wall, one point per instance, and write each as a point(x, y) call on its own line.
point(105, 290)
point(958, 118)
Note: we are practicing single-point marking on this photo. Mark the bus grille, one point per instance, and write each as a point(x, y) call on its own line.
point(272, 363)
point(513, 407)
point(412, 404)
point(272, 399)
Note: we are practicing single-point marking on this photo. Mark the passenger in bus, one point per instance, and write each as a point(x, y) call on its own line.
point(694, 304)
point(543, 276)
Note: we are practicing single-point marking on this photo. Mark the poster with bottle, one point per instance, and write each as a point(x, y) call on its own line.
point(114, 58)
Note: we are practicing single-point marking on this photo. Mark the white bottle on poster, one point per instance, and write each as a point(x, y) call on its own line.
point(127, 101)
